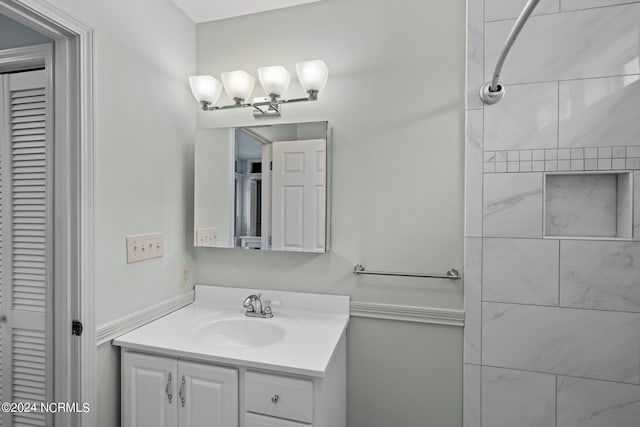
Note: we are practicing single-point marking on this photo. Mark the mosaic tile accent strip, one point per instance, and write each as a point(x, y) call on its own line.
point(563, 159)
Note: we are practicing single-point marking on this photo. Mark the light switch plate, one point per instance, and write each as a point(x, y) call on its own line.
point(144, 246)
point(206, 236)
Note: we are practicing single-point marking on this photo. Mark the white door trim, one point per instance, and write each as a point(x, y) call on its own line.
point(74, 138)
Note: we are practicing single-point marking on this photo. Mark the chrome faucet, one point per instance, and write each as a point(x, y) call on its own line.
point(255, 308)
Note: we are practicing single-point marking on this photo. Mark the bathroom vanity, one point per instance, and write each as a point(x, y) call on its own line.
point(209, 364)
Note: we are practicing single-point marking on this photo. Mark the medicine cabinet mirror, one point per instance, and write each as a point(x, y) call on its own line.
point(262, 187)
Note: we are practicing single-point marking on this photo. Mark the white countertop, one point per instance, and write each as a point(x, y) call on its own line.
point(314, 325)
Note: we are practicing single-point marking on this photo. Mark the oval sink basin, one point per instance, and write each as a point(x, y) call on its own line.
point(241, 332)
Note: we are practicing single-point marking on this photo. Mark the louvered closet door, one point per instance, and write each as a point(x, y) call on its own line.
point(25, 244)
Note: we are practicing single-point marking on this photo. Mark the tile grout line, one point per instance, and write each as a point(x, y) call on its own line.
point(563, 307)
point(563, 148)
point(635, 203)
point(562, 12)
point(556, 425)
point(559, 269)
point(543, 180)
point(562, 375)
point(574, 79)
point(559, 171)
point(566, 238)
point(491, 21)
point(558, 121)
point(617, 196)
point(481, 344)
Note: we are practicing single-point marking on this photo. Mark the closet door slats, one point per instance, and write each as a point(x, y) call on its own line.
point(25, 247)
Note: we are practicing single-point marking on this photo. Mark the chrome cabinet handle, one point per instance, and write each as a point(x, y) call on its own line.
point(181, 392)
point(168, 388)
point(275, 398)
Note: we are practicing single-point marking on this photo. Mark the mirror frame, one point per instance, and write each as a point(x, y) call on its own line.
point(231, 138)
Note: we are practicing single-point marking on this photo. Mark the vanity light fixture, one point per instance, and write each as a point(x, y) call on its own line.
point(238, 85)
point(206, 89)
point(274, 80)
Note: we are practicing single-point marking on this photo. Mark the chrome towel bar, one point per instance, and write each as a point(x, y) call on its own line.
point(452, 274)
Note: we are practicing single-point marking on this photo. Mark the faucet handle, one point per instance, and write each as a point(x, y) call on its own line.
point(272, 303)
point(248, 303)
point(266, 309)
point(268, 304)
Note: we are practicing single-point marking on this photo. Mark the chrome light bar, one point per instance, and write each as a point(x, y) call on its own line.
point(262, 107)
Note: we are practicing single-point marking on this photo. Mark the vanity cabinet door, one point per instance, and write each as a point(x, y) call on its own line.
point(148, 391)
point(207, 396)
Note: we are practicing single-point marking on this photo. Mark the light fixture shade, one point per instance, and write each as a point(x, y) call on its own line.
point(205, 88)
point(238, 84)
point(312, 74)
point(274, 80)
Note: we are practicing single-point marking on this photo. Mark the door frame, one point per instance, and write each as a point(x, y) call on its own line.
point(73, 87)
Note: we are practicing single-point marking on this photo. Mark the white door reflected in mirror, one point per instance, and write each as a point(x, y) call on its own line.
point(262, 187)
point(298, 195)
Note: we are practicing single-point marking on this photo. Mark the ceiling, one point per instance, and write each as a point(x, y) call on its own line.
point(212, 10)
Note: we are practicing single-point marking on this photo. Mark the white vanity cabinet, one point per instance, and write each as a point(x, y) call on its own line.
point(167, 392)
point(211, 365)
point(164, 391)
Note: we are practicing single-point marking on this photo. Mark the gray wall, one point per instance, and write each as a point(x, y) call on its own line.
point(14, 34)
point(145, 121)
point(144, 134)
point(394, 101)
point(397, 171)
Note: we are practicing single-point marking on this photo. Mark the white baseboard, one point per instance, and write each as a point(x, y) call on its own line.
point(407, 313)
point(111, 330)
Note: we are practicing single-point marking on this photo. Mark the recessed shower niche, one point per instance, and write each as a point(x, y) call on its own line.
point(588, 205)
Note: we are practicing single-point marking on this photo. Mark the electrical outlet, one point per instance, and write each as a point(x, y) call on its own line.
point(206, 236)
point(144, 246)
point(185, 273)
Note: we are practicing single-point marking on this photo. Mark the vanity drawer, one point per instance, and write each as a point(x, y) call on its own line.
point(278, 396)
point(254, 420)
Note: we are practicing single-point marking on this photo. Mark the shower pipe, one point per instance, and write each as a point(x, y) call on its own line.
point(492, 92)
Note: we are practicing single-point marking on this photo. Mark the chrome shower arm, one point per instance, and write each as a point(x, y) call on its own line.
point(492, 92)
point(513, 35)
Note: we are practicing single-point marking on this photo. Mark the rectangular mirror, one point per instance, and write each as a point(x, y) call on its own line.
point(262, 187)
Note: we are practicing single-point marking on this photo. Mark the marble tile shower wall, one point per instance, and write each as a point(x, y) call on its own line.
point(552, 333)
